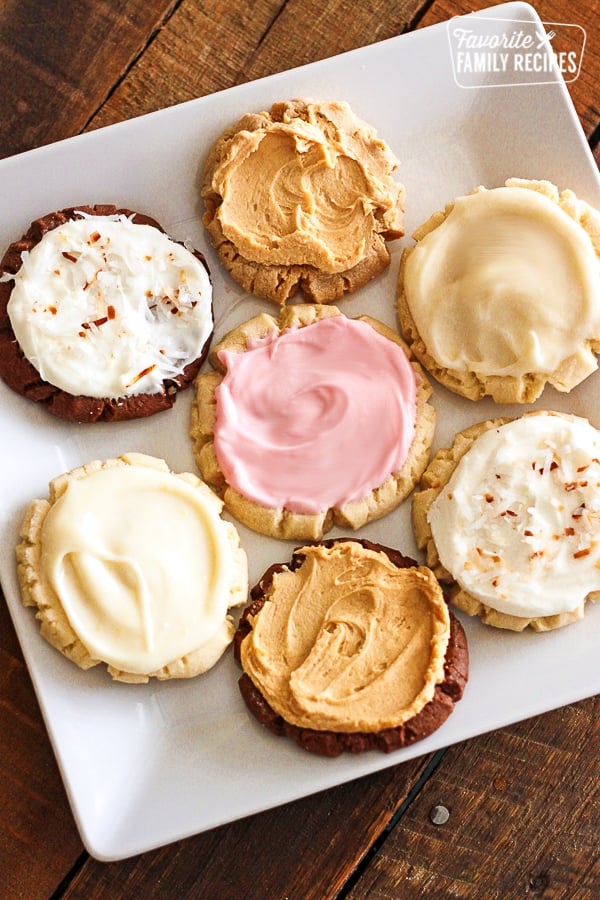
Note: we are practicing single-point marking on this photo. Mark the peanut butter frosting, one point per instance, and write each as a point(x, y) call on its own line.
point(307, 190)
point(306, 186)
point(348, 641)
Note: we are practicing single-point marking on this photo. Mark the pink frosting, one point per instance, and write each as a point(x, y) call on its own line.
point(315, 417)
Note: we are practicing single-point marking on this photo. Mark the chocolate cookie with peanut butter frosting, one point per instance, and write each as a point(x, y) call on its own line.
point(102, 315)
point(302, 198)
point(350, 647)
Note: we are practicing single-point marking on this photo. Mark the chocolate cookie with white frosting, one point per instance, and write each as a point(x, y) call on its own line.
point(102, 315)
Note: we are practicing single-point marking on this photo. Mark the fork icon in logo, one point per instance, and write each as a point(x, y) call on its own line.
point(546, 36)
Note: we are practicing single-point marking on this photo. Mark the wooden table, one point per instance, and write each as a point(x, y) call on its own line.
point(524, 813)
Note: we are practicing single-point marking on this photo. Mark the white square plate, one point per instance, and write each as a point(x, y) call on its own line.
point(146, 765)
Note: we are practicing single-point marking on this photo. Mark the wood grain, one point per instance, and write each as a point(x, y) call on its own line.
point(60, 61)
point(34, 812)
point(203, 48)
point(267, 37)
point(304, 34)
point(524, 807)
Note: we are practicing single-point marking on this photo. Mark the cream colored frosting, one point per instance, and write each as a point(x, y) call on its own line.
point(107, 308)
point(518, 524)
point(315, 417)
point(308, 190)
point(348, 642)
point(507, 284)
point(142, 565)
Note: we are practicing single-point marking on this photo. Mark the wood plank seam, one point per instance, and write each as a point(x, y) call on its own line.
point(65, 883)
point(269, 27)
point(241, 76)
point(419, 15)
point(429, 770)
point(168, 14)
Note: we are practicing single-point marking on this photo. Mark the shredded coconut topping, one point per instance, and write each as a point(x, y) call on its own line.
point(518, 525)
point(105, 307)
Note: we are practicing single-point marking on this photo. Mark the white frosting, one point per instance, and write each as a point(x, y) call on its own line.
point(518, 524)
point(142, 564)
point(507, 284)
point(102, 307)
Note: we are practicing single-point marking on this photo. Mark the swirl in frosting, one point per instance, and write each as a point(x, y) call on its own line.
point(311, 189)
point(315, 417)
point(348, 641)
point(142, 564)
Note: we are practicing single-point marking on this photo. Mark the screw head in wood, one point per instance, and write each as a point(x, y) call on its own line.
point(439, 814)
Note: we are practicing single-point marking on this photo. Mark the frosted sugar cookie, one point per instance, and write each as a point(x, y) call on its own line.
point(102, 315)
point(131, 565)
point(350, 647)
point(311, 419)
point(510, 518)
point(501, 293)
point(302, 198)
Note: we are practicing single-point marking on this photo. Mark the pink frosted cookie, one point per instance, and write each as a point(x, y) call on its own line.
point(311, 420)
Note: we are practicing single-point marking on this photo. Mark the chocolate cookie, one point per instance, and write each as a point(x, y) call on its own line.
point(416, 720)
point(102, 315)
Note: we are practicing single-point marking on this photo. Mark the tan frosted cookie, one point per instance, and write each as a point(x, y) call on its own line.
point(350, 647)
point(310, 420)
point(302, 198)
point(508, 517)
point(501, 293)
point(102, 315)
point(131, 565)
